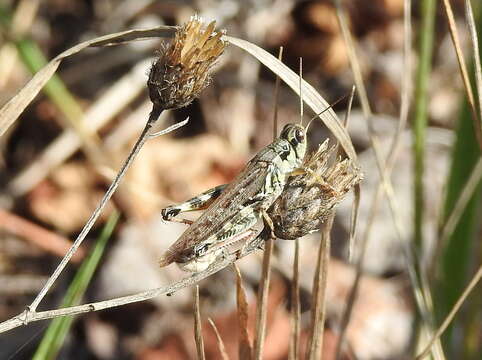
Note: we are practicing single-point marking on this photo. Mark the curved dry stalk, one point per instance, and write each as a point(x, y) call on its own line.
point(310, 96)
point(27, 317)
point(451, 314)
point(10, 112)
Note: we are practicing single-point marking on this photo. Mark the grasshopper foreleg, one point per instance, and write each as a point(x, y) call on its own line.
point(199, 202)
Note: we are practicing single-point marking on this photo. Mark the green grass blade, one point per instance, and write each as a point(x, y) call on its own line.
point(33, 57)
point(460, 251)
point(426, 35)
point(457, 255)
point(58, 329)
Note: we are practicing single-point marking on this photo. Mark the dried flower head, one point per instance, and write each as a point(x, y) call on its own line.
point(308, 199)
point(182, 71)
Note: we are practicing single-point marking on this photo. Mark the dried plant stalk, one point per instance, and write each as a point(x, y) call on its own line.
point(244, 348)
point(293, 353)
point(308, 199)
point(188, 59)
point(198, 337)
point(221, 346)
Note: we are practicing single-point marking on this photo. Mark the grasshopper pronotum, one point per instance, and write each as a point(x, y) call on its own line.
point(234, 208)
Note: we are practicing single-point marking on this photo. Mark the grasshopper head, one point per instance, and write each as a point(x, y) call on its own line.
point(296, 136)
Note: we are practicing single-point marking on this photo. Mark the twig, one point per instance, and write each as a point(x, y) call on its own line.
point(245, 350)
point(476, 53)
point(198, 335)
point(356, 202)
point(27, 317)
point(261, 309)
point(222, 348)
point(155, 113)
point(319, 293)
point(463, 68)
point(294, 350)
point(452, 314)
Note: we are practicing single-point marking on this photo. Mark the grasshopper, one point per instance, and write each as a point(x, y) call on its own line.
point(233, 209)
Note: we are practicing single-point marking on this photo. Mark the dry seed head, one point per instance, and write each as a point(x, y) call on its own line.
point(181, 72)
point(308, 199)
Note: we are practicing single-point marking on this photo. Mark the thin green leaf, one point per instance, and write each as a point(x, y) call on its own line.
point(58, 329)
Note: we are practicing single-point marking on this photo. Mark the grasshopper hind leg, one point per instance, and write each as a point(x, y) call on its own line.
point(199, 202)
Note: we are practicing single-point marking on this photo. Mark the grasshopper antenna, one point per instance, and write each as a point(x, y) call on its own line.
point(327, 108)
point(276, 96)
point(301, 94)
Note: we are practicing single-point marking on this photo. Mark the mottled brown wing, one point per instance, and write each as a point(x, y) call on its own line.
point(246, 185)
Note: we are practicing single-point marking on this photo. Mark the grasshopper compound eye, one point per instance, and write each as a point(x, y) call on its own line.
point(299, 135)
point(296, 136)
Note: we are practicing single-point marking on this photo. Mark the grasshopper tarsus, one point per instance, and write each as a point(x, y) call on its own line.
point(169, 212)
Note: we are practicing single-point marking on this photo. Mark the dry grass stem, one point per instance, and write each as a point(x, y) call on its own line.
point(318, 313)
point(262, 303)
point(463, 68)
point(27, 317)
point(198, 336)
point(357, 191)
point(245, 350)
point(294, 348)
point(478, 67)
point(222, 348)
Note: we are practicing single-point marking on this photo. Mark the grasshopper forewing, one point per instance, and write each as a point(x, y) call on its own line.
point(239, 205)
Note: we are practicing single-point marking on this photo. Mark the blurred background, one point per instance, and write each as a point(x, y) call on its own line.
point(54, 169)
